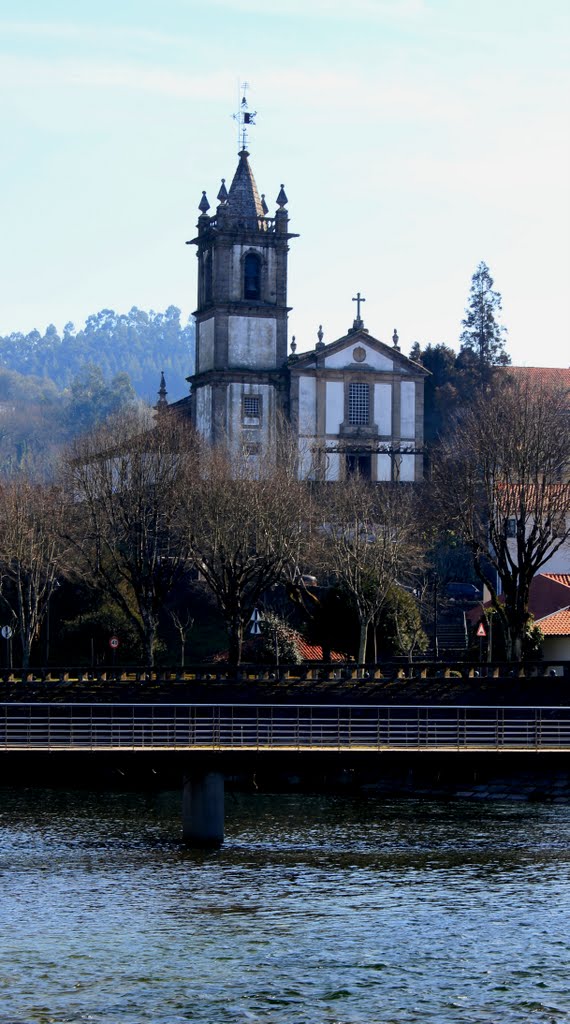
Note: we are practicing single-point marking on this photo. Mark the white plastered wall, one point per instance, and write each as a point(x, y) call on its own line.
point(334, 406)
point(307, 406)
point(252, 342)
point(204, 411)
point(556, 648)
point(384, 467)
point(332, 466)
point(407, 468)
point(343, 359)
point(408, 409)
point(307, 426)
point(206, 344)
point(261, 435)
point(383, 409)
point(306, 466)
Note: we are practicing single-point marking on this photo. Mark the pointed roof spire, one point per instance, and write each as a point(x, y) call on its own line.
point(204, 205)
point(282, 198)
point(162, 393)
point(223, 193)
point(243, 197)
point(264, 205)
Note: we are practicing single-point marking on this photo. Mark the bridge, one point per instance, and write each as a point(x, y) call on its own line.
point(199, 730)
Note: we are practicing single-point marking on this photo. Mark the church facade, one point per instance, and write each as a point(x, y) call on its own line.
point(355, 404)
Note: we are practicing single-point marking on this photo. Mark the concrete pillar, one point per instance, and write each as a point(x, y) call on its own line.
point(203, 810)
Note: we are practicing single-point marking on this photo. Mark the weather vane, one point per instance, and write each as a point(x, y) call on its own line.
point(244, 117)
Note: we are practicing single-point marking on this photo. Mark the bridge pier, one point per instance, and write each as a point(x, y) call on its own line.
point(203, 810)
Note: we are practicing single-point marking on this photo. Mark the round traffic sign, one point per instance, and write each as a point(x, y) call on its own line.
point(6, 632)
point(114, 642)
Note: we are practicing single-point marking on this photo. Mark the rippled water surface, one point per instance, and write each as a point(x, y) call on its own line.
point(318, 909)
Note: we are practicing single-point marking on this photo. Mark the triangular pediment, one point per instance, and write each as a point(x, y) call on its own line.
point(359, 350)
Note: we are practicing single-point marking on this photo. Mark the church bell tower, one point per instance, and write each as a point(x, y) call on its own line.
point(239, 386)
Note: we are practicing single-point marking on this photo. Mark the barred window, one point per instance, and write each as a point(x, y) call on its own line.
point(358, 404)
point(251, 406)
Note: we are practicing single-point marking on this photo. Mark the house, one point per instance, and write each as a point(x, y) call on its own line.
point(549, 604)
point(556, 631)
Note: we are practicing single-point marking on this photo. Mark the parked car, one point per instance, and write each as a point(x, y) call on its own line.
point(462, 592)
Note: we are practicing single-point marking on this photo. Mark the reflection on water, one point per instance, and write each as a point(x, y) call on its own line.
point(330, 910)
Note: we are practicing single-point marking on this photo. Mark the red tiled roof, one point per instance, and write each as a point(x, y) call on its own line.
point(548, 593)
point(308, 652)
point(311, 652)
point(557, 624)
point(544, 376)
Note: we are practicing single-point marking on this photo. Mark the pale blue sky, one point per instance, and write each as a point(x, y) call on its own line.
point(414, 137)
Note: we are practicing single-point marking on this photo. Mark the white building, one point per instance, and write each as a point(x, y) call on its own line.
point(355, 404)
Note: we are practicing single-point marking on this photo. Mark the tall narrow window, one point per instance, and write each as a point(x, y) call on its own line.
point(252, 276)
point(207, 278)
point(358, 404)
point(510, 527)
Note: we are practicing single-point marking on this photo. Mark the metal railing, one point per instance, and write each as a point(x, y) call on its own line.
point(226, 727)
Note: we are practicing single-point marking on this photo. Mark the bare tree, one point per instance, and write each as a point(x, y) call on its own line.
point(368, 540)
point(246, 530)
point(32, 554)
point(183, 627)
point(128, 479)
point(502, 481)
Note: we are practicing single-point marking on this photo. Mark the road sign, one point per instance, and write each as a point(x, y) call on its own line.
point(114, 642)
point(255, 629)
point(6, 632)
point(256, 616)
point(481, 631)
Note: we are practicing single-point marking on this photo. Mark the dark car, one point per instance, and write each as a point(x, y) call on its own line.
point(462, 592)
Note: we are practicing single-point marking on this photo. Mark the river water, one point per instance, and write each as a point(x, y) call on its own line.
point(332, 910)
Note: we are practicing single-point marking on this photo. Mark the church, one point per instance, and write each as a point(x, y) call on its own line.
point(353, 405)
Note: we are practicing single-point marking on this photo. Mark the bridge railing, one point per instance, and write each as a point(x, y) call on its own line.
point(344, 672)
point(40, 726)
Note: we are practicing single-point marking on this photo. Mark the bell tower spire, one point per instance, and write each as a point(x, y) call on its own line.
point(241, 315)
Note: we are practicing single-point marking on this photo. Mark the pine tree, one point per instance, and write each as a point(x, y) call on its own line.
point(482, 337)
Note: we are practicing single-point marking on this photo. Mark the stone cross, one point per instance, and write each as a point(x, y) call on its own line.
point(358, 300)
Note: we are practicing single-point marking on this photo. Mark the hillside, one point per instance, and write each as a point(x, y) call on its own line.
point(137, 343)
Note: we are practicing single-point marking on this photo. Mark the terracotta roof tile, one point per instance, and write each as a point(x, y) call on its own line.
point(310, 652)
point(546, 376)
point(557, 624)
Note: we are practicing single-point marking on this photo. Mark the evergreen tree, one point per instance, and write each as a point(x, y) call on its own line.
point(482, 337)
point(442, 388)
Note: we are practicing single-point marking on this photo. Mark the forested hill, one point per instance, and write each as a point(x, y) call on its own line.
point(137, 343)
